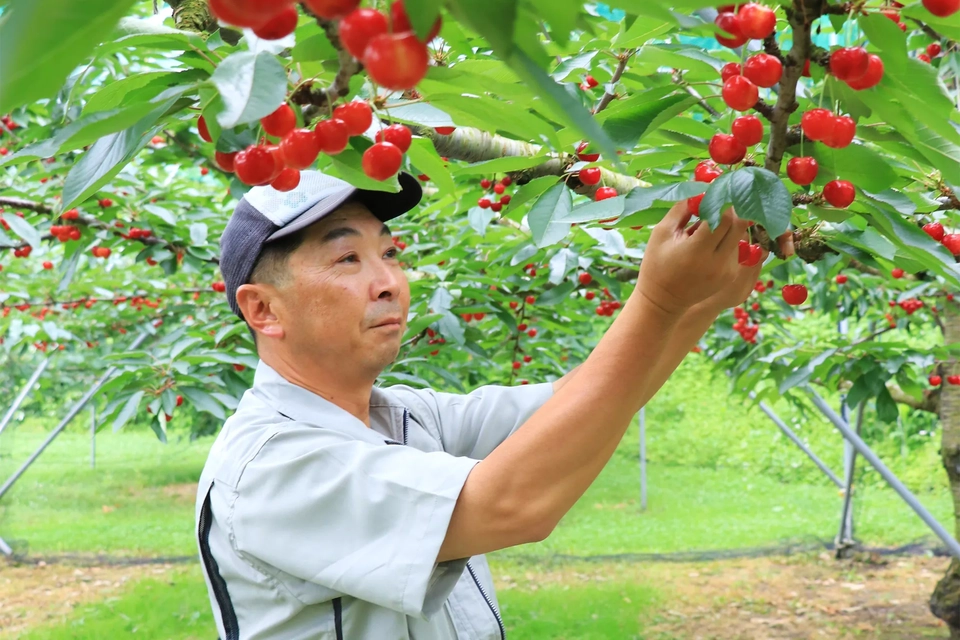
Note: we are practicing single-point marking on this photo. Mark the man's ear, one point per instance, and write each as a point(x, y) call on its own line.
point(260, 305)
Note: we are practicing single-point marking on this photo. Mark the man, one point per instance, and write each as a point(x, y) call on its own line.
point(331, 508)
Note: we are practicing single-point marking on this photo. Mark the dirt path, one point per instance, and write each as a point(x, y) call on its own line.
point(791, 598)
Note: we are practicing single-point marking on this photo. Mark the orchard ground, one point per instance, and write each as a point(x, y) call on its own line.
point(721, 479)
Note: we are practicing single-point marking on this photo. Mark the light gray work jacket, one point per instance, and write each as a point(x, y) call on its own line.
point(311, 525)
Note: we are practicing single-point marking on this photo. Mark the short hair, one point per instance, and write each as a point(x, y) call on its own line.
point(272, 264)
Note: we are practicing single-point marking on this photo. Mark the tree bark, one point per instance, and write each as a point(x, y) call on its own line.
point(945, 600)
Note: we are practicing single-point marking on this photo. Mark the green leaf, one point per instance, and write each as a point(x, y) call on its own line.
point(590, 211)
point(25, 230)
point(857, 163)
point(425, 157)
point(450, 327)
point(203, 401)
point(252, 86)
point(553, 205)
point(501, 165)
point(129, 408)
point(347, 165)
point(629, 123)
point(492, 19)
point(756, 194)
point(642, 198)
point(887, 409)
point(422, 14)
point(42, 41)
point(883, 33)
point(556, 295)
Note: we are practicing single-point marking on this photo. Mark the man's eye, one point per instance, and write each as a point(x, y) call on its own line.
point(393, 253)
point(349, 257)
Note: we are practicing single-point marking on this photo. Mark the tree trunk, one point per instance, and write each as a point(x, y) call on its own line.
point(945, 600)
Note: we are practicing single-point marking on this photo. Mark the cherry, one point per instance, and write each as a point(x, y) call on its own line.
point(748, 255)
point(897, 274)
point(842, 134)
point(382, 160)
point(204, 171)
point(934, 381)
point(357, 115)
point(498, 207)
point(396, 134)
point(590, 295)
point(505, 199)
point(748, 130)
point(806, 68)
point(532, 333)
point(757, 21)
point(529, 300)
point(484, 203)
point(590, 176)
point(726, 149)
point(841, 278)
point(105, 203)
point(247, 13)
point(287, 180)
point(802, 170)
point(817, 123)
point(485, 183)
point(693, 204)
point(794, 294)
point(740, 93)
point(219, 286)
point(729, 23)
point(299, 148)
point(604, 193)
point(954, 380)
point(280, 26)
point(942, 8)
point(934, 49)
point(331, 9)
point(499, 188)
point(401, 22)
point(924, 57)
point(332, 136)
point(527, 358)
point(204, 131)
point(396, 61)
point(255, 165)
point(763, 70)
point(516, 365)
point(280, 122)
point(590, 82)
point(849, 63)
point(730, 70)
point(839, 193)
point(48, 265)
point(586, 157)
point(934, 230)
point(71, 214)
point(707, 171)
point(506, 181)
point(952, 242)
point(225, 161)
point(585, 278)
point(444, 131)
point(872, 77)
point(359, 27)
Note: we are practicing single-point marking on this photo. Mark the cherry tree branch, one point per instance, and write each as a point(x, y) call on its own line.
point(20, 203)
point(621, 67)
point(317, 98)
point(930, 402)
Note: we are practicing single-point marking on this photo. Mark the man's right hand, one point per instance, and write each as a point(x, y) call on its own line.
point(681, 269)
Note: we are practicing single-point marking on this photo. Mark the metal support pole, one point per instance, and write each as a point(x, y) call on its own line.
point(787, 431)
point(643, 459)
point(23, 393)
point(952, 545)
point(93, 437)
point(845, 536)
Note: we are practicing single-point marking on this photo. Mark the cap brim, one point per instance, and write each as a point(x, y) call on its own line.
point(383, 204)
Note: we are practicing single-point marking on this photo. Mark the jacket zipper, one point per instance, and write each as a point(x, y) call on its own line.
point(483, 592)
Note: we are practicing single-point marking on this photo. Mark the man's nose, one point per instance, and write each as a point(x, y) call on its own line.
point(387, 281)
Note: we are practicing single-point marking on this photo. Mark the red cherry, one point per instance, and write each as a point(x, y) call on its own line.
point(730, 70)
point(934, 49)
point(280, 122)
point(280, 26)
point(839, 193)
point(842, 134)
point(590, 176)
point(225, 160)
point(748, 130)
point(817, 123)
point(841, 278)
point(586, 157)
point(485, 184)
point(952, 242)
point(590, 295)
point(332, 136)
point(872, 77)
point(730, 33)
point(794, 294)
point(498, 207)
point(942, 8)
point(357, 115)
point(505, 199)
point(849, 63)
point(748, 254)
point(299, 148)
point(954, 380)
point(71, 214)
point(331, 9)
point(219, 286)
point(506, 181)
point(934, 381)
point(445, 131)
point(204, 131)
point(48, 265)
point(516, 365)
point(934, 230)
point(255, 165)
point(246, 13)
point(590, 82)
point(359, 27)
point(532, 333)
point(585, 278)
point(287, 180)
point(396, 61)
point(757, 21)
point(499, 188)
point(897, 274)
point(105, 203)
point(604, 193)
point(382, 160)
point(396, 134)
point(740, 93)
point(693, 204)
point(806, 68)
point(707, 171)
point(529, 300)
point(924, 57)
point(726, 149)
point(763, 70)
point(484, 203)
point(204, 171)
point(402, 23)
point(802, 170)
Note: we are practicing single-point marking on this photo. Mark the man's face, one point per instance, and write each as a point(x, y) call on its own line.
point(344, 280)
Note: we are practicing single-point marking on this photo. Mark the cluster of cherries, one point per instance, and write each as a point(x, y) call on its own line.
point(949, 240)
point(743, 326)
point(591, 176)
point(499, 189)
point(936, 380)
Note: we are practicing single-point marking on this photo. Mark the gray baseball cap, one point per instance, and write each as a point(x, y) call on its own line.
point(265, 214)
